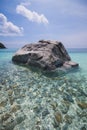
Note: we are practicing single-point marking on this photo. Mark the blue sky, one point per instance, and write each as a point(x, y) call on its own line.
point(26, 21)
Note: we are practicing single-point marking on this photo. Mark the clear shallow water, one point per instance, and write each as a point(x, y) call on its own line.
point(35, 101)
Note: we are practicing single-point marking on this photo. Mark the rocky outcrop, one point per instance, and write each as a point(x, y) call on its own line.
point(2, 46)
point(45, 54)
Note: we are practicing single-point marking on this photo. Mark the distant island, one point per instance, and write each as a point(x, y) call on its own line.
point(2, 46)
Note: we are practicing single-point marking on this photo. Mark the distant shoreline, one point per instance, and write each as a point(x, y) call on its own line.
point(70, 50)
point(77, 50)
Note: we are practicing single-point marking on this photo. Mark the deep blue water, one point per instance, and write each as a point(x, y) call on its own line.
point(35, 101)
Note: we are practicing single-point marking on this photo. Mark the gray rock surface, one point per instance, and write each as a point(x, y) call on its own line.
point(45, 54)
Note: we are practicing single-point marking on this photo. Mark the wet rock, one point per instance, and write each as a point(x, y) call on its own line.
point(20, 119)
point(15, 107)
point(37, 109)
point(17, 92)
point(68, 119)
point(83, 128)
point(10, 92)
point(3, 103)
point(37, 127)
point(3, 82)
point(56, 125)
point(54, 105)
point(22, 95)
point(15, 86)
point(11, 100)
point(38, 121)
point(69, 64)
point(0, 87)
point(68, 97)
point(5, 116)
point(10, 125)
point(45, 113)
point(82, 105)
point(82, 113)
point(58, 117)
point(64, 107)
point(46, 54)
point(65, 127)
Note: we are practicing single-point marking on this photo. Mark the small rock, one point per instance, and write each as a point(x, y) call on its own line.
point(22, 95)
point(0, 87)
point(37, 109)
point(58, 117)
point(15, 107)
point(15, 86)
point(9, 124)
point(11, 99)
point(20, 119)
point(68, 97)
point(55, 124)
point(82, 105)
point(3, 103)
point(65, 127)
point(71, 64)
point(38, 121)
point(82, 113)
point(54, 105)
point(64, 108)
point(44, 113)
point(83, 128)
point(68, 119)
point(5, 116)
point(10, 92)
point(37, 127)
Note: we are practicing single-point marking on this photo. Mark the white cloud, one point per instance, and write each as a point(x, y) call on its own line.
point(31, 15)
point(7, 28)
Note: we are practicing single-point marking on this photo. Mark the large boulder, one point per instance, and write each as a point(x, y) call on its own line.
point(45, 54)
point(2, 46)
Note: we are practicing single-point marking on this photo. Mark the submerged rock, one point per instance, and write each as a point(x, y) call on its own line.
point(15, 107)
point(46, 54)
point(68, 119)
point(58, 117)
point(82, 105)
point(45, 113)
point(5, 116)
point(3, 103)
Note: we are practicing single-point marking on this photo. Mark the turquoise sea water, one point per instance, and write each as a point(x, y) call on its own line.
point(31, 100)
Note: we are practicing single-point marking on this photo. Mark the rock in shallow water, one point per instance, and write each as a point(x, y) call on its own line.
point(15, 107)
point(58, 117)
point(5, 116)
point(82, 105)
point(45, 113)
point(46, 54)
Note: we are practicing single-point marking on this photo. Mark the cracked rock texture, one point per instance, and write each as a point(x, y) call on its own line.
point(45, 54)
